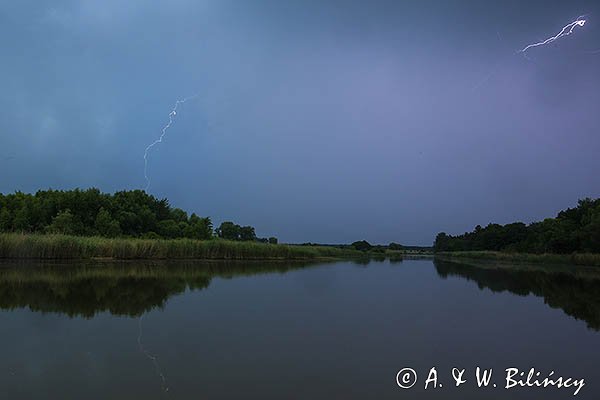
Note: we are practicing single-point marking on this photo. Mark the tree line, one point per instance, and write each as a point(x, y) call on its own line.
point(573, 230)
point(133, 213)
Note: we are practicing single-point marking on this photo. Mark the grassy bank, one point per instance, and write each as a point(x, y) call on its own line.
point(63, 247)
point(575, 258)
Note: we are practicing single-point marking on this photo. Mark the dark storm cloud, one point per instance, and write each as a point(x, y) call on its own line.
point(317, 120)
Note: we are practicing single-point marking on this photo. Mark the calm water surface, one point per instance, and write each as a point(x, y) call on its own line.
point(330, 331)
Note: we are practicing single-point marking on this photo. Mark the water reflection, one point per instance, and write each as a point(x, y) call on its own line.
point(574, 290)
point(121, 289)
point(134, 289)
point(290, 330)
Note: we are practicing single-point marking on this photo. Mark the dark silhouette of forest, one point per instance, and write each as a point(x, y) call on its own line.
point(89, 212)
point(573, 230)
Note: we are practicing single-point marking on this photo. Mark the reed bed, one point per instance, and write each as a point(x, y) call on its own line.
point(63, 247)
point(588, 259)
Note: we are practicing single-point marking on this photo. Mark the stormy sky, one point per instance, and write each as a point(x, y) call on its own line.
point(324, 121)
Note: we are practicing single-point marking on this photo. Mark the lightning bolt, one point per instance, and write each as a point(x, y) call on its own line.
point(172, 116)
point(565, 31)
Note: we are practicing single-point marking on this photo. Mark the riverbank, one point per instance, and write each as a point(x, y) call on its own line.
point(64, 247)
point(588, 259)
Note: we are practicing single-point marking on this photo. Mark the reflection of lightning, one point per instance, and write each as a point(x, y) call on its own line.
point(152, 358)
point(172, 115)
point(565, 31)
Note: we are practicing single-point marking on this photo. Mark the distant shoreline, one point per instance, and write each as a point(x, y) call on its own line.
point(584, 259)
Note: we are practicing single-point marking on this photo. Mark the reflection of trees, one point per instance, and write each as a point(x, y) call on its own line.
point(577, 294)
point(129, 289)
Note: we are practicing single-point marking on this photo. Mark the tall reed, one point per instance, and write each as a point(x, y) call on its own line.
point(590, 259)
point(35, 246)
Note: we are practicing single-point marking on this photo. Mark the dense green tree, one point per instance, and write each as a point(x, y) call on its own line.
point(442, 242)
point(91, 212)
point(169, 229)
point(198, 228)
point(21, 221)
point(589, 236)
point(575, 229)
point(178, 215)
point(5, 220)
point(273, 240)
point(228, 230)
point(148, 219)
point(362, 245)
point(130, 222)
point(247, 233)
point(395, 246)
point(66, 223)
point(105, 225)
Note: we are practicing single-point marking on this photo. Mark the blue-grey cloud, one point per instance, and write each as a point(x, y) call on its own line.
point(317, 120)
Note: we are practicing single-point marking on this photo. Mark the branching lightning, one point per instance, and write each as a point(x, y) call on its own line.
point(172, 115)
point(565, 31)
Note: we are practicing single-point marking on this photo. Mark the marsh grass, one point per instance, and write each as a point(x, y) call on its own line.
point(588, 259)
point(63, 247)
